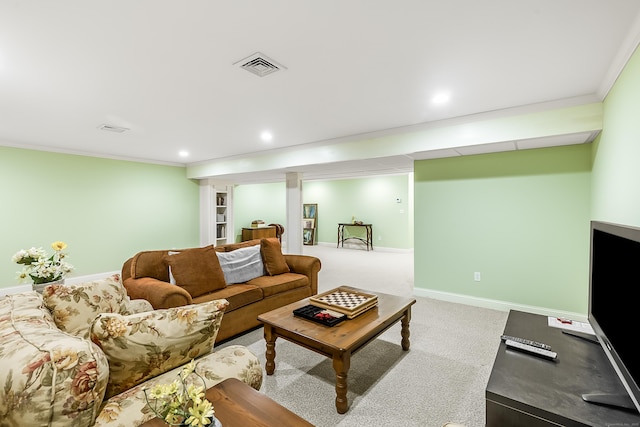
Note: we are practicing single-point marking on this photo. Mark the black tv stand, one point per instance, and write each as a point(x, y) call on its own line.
point(614, 400)
point(524, 390)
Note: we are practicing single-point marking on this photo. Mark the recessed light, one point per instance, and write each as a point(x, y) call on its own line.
point(266, 136)
point(183, 153)
point(441, 98)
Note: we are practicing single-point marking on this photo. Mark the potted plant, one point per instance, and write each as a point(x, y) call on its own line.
point(182, 403)
point(42, 268)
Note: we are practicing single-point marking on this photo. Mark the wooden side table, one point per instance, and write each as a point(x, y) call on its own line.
point(238, 405)
point(258, 233)
point(368, 240)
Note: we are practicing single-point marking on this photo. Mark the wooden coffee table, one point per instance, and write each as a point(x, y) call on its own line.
point(338, 342)
point(238, 405)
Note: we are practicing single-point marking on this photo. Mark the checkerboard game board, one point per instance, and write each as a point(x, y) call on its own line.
point(346, 301)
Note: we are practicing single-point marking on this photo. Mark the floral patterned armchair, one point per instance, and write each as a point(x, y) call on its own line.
point(80, 355)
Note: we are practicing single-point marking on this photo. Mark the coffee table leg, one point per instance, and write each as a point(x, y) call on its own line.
point(341, 364)
point(405, 329)
point(270, 338)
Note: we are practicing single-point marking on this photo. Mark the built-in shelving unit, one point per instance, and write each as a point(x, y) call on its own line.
point(216, 213)
point(222, 199)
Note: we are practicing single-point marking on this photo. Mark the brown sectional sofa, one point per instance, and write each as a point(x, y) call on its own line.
point(146, 275)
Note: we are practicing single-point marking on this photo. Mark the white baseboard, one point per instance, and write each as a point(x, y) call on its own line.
point(496, 304)
point(68, 281)
point(362, 246)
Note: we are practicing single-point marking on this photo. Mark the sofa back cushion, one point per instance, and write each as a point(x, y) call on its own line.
point(146, 264)
point(47, 377)
point(75, 306)
point(228, 247)
point(241, 265)
point(274, 261)
point(144, 345)
point(196, 270)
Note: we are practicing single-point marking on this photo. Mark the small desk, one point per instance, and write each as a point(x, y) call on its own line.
point(258, 233)
point(368, 240)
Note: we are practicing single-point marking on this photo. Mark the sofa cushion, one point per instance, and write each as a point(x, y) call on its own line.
point(48, 377)
point(241, 265)
point(234, 246)
point(197, 270)
point(147, 264)
point(271, 285)
point(238, 296)
point(274, 261)
point(75, 306)
point(130, 407)
point(144, 345)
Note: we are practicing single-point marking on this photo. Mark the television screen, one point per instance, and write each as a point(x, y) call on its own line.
point(613, 301)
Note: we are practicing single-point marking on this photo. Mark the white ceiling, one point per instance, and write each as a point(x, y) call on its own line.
point(165, 70)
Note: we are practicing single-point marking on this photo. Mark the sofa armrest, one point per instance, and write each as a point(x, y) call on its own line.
point(160, 294)
point(48, 377)
point(307, 265)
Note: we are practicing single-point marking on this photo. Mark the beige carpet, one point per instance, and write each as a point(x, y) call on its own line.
point(377, 270)
point(440, 379)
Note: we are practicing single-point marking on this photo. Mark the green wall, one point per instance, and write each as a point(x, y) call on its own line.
point(105, 210)
point(616, 169)
point(519, 218)
point(259, 201)
point(372, 200)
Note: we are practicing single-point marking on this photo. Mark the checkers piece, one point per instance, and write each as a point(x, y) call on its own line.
point(345, 301)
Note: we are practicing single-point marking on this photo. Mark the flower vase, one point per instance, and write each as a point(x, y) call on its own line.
point(214, 423)
point(39, 288)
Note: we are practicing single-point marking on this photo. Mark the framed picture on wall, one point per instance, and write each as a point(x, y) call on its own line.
point(307, 236)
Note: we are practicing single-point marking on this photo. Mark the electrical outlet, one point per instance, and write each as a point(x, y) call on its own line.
point(476, 276)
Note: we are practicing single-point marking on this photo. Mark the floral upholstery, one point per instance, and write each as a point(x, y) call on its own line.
point(138, 305)
point(52, 378)
point(230, 362)
point(144, 345)
point(75, 306)
point(47, 377)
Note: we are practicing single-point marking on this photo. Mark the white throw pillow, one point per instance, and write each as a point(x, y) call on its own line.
point(241, 265)
point(172, 279)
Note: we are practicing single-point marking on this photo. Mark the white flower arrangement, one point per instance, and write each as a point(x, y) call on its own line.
point(40, 267)
point(180, 403)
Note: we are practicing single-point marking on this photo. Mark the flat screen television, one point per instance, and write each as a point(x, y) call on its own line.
point(614, 305)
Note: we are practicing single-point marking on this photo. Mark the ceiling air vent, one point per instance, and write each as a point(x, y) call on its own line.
point(260, 64)
point(112, 128)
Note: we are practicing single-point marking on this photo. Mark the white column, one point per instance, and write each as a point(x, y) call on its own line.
point(207, 213)
point(293, 229)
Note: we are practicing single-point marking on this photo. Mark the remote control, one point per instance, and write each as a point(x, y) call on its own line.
point(536, 351)
point(526, 341)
